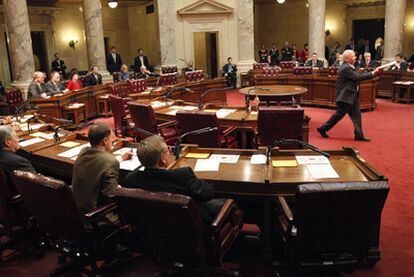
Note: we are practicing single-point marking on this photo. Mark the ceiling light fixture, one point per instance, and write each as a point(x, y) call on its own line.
point(113, 4)
point(280, 1)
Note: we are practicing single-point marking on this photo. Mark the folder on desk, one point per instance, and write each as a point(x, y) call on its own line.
point(284, 163)
point(197, 155)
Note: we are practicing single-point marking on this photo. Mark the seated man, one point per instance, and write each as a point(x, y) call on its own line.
point(54, 86)
point(367, 63)
point(314, 62)
point(144, 73)
point(230, 72)
point(9, 160)
point(37, 88)
point(95, 172)
point(400, 65)
point(154, 154)
point(339, 60)
point(93, 78)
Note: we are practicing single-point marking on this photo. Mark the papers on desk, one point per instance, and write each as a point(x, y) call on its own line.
point(74, 151)
point(229, 159)
point(258, 159)
point(45, 135)
point(76, 105)
point(317, 159)
point(130, 164)
point(206, 165)
point(124, 150)
point(69, 144)
point(197, 155)
point(30, 142)
point(174, 109)
point(222, 113)
point(322, 171)
point(158, 104)
point(284, 163)
point(35, 126)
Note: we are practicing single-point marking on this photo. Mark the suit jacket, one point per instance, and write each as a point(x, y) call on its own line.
point(363, 64)
point(52, 88)
point(337, 64)
point(274, 56)
point(138, 64)
point(287, 53)
point(10, 161)
point(95, 177)
point(90, 80)
point(226, 69)
point(181, 181)
point(59, 66)
point(347, 84)
point(403, 67)
point(113, 65)
point(319, 63)
point(379, 52)
point(34, 91)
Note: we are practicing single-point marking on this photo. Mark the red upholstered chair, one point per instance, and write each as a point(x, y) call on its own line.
point(287, 64)
point(172, 227)
point(276, 123)
point(260, 65)
point(117, 105)
point(120, 89)
point(143, 117)
point(136, 86)
point(168, 79)
point(333, 71)
point(271, 71)
point(169, 69)
point(302, 70)
point(194, 76)
point(53, 205)
point(194, 120)
point(14, 99)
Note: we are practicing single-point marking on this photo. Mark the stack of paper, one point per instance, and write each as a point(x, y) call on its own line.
point(30, 142)
point(319, 167)
point(74, 151)
point(69, 144)
point(124, 150)
point(157, 104)
point(258, 159)
point(207, 165)
point(222, 113)
point(130, 164)
point(317, 159)
point(284, 163)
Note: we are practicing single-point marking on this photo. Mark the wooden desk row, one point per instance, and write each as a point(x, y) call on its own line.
point(386, 81)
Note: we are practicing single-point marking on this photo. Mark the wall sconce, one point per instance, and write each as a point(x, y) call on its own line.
point(72, 43)
point(113, 4)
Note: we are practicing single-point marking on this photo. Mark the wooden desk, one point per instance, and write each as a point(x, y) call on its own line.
point(277, 93)
point(403, 91)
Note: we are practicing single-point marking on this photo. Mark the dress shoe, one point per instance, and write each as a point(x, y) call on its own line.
point(363, 139)
point(322, 132)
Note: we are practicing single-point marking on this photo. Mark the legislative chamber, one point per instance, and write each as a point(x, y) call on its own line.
point(206, 137)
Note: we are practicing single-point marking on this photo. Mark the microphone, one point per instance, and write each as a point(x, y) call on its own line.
point(28, 123)
point(300, 142)
point(201, 102)
point(177, 149)
point(140, 130)
point(248, 96)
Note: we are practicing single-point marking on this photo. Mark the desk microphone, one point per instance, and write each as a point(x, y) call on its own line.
point(177, 149)
point(28, 122)
point(201, 102)
point(140, 130)
point(248, 96)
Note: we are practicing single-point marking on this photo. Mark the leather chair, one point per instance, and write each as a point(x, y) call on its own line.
point(302, 70)
point(260, 65)
point(62, 226)
point(332, 225)
point(172, 227)
point(194, 76)
point(120, 89)
point(276, 123)
point(287, 64)
point(115, 77)
point(169, 69)
point(271, 71)
point(194, 120)
point(136, 86)
point(117, 105)
point(333, 71)
point(168, 79)
point(14, 99)
point(143, 117)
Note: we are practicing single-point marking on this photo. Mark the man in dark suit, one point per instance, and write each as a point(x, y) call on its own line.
point(273, 57)
point(142, 60)
point(314, 62)
point(351, 46)
point(347, 96)
point(37, 89)
point(230, 72)
point(379, 52)
point(367, 64)
point(96, 171)
point(9, 160)
point(113, 61)
point(366, 48)
point(400, 65)
point(59, 65)
point(54, 86)
point(93, 78)
point(287, 52)
point(155, 156)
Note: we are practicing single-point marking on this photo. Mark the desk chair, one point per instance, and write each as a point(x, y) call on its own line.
point(169, 69)
point(14, 99)
point(62, 226)
point(276, 123)
point(143, 117)
point(119, 112)
point(120, 89)
point(194, 76)
point(171, 226)
point(136, 86)
point(332, 226)
point(168, 79)
point(194, 120)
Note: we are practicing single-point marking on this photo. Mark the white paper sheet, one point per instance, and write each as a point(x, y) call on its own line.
point(222, 113)
point(30, 142)
point(124, 150)
point(206, 165)
point(387, 65)
point(131, 164)
point(157, 104)
point(258, 159)
point(317, 159)
point(35, 126)
point(73, 151)
point(322, 171)
point(230, 159)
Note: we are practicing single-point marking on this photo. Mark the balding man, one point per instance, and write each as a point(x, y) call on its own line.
point(347, 96)
point(367, 64)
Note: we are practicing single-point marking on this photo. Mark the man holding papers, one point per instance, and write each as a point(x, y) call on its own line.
point(155, 156)
point(95, 172)
point(347, 96)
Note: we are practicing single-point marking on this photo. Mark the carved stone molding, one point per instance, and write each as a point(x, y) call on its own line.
point(205, 7)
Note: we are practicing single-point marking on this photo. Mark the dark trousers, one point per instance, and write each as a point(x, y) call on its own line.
point(354, 113)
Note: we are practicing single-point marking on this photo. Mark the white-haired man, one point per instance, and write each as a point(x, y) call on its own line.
point(347, 96)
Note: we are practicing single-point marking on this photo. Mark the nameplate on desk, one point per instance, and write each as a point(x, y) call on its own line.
point(30, 142)
point(197, 155)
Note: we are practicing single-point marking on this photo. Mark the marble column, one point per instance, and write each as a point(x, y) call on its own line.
point(317, 10)
point(92, 14)
point(166, 20)
point(394, 28)
point(20, 43)
point(245, 18)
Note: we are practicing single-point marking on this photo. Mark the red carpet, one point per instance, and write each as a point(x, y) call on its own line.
point(390, 151)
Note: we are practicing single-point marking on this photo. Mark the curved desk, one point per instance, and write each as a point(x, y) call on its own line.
point(277, 93)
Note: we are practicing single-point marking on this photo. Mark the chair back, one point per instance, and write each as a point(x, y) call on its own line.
point(120, 89)
point(169, 224)
point(333, 71)
point(336, 218)
point(271, 71)
point(118, 110)
point(14, 97)
point(287, 64)
point(194, 120)
point(302, 70)
point(143, 117)
point(52, 204)
point(168, 79)
point(115, 76)
point(194, 76)
point(7, 190)
point(260, 65)
point(136, 86)
point(169, 69)
point(276, 123)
